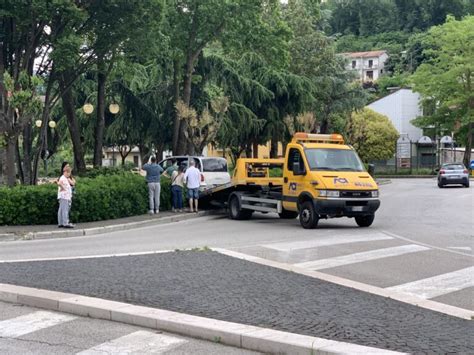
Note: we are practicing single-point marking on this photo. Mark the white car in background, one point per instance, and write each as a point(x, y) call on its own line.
point(213, 169)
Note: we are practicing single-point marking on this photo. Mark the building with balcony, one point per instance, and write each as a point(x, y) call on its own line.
point(368, 65)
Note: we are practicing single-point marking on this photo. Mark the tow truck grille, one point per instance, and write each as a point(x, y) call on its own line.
point(355, 194)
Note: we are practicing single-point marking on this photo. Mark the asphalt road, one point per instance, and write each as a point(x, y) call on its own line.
point(421, 242)
point(27, 330)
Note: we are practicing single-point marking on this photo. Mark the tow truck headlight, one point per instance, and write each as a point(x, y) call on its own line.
point(328, 193)
point(375, 193)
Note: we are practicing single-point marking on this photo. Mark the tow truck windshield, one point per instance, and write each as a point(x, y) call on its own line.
point(333, 160)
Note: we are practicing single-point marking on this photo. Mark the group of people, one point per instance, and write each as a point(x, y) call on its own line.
point(179, 178)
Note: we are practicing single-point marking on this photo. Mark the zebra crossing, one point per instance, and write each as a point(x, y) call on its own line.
point(380, 259)
point(26, 330)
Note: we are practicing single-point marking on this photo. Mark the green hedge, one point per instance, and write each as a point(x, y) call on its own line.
point(95, 199)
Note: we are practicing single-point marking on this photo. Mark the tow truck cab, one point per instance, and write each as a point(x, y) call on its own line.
point(325, 178)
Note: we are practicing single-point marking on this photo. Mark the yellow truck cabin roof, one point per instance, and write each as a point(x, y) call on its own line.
point(301, 137)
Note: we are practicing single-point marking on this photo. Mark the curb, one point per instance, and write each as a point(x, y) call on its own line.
point(6, 237)
point(228, 333)
point(381, 182)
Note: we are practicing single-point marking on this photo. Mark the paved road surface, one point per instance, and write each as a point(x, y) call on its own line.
point(421, 242)
point(25, 330)
point(217, 286)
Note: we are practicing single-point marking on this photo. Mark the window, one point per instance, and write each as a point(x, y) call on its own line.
point(295, 157)
point(353, 64)
point(135, 160)
point(371, 63)
point(334, 160)
point(370, 75)
point(214, 165)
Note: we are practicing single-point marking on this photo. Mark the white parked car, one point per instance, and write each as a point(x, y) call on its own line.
point(213, 169)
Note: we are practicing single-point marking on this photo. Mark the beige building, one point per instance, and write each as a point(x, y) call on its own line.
point(368, 65)
point(112, 157)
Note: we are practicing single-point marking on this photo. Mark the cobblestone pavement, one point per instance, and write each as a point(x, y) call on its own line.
point(212, 285)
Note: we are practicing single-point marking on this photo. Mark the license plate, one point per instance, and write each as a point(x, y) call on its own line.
point(453, 177)
point(357, 208)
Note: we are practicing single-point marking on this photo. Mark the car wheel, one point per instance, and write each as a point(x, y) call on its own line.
point(235, 211)
point(365, 221)
point(440, 185)
point(308, 216)
point(466, 184)
point(285, 214)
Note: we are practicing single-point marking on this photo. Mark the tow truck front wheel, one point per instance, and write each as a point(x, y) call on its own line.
point(235, 211)
point(365, 221)
point(308, 217)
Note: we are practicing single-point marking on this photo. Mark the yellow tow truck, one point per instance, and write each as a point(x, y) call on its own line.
point(319, 177)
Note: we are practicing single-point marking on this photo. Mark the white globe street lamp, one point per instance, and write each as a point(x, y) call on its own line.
point(88, 109)
point(38, 123)
point(114, 108)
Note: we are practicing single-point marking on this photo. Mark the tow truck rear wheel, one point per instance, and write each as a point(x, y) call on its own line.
point(308, 217)
point(365, 221)
point(235, 211)
point(285, 214)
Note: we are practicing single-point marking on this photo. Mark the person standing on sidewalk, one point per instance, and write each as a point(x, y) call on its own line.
point(193, 181)
point(71, 179)
point(64, 198)
point(177, 184)
point(153, 175)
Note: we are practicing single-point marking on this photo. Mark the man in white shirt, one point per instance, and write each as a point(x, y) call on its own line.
point(192, 177)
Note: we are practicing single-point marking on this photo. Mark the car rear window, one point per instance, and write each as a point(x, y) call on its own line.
point(454, 167)
point(214, 165)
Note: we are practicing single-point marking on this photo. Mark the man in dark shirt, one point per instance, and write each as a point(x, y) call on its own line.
point(153, 172)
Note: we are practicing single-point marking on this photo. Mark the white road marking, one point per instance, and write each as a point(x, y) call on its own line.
point(326, 241)
point(29, 323)
point(461, 248)
point(426, 245)
point(438, 285)
point(141, 342)
point(360, 257)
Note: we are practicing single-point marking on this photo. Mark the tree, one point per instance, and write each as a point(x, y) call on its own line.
point(202, 129)
point(372, 135)
point(117, 26)
point(446, 79)
point(194, 24)
point(31, 34)
point(314, 58)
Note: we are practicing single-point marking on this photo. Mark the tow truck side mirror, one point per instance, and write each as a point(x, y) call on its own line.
point(371, 170)
point(297, 169)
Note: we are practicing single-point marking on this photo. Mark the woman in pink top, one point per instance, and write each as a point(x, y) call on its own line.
point(64, 198)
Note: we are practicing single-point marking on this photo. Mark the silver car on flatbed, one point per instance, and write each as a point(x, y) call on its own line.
point(453, 173)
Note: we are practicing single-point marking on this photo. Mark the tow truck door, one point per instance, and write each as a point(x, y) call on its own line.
point(293, 184)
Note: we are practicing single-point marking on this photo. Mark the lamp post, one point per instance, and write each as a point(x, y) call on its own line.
point(88, 108)
point(52, 125)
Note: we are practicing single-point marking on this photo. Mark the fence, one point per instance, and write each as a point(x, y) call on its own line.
point(421, 159)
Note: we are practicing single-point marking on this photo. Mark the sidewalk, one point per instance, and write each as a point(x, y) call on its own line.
point(31, 232)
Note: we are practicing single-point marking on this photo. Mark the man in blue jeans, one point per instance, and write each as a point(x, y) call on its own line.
point(193, 181)
point(153, 174)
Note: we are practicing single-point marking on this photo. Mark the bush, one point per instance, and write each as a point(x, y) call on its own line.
point(95, 199)
point(107, 170)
